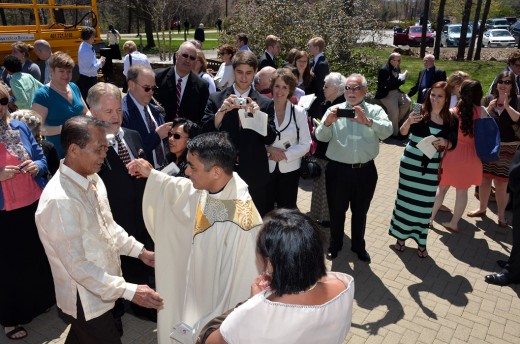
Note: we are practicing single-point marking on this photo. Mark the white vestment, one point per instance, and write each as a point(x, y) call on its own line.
point(205, 257)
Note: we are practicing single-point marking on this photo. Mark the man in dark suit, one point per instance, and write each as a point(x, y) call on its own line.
point(273, 46)
point(221, 114)
point(180, 80)
point(427, 77)
point(143, 117)
point(511, 268)
point(125, 193)
point(320, 68)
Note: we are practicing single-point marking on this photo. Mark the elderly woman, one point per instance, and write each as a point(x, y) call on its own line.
point(334, 91)
point(389, 79)
point(462, 167)
point(504, 106)
point(418, 174)
point(27, 289)
point(292, 142)
point(182, 130)
point(295, 299)
point(225, 76)
point(201, 69)
point(59, 100)
point(22, 50)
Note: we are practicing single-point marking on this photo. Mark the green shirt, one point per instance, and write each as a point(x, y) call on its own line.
point(24, 86)
point(351, 142)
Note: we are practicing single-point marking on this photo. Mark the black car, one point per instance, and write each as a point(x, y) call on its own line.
point(515, 31)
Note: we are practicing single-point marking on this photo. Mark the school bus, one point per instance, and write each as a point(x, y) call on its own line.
point(57, 21)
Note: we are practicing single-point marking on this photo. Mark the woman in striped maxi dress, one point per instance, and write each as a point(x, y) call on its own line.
point(418, 175)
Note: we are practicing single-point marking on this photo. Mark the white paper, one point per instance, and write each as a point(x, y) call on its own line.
point(306, 101)
point(256, 121)
point(402, 76)
point(183, 333)
point(426, 146)
point(171, 169)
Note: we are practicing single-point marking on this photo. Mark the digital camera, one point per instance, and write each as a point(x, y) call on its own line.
point(240, 101)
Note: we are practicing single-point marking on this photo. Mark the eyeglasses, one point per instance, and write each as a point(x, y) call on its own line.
point(188, 56)
point(507, 82)
point(147, 88)
point(176, 136)
point(353, 88)
point(4, 101)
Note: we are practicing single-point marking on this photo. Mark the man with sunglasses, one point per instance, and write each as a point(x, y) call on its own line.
point(142, 116)
point(221, 114)
point(351, 174)
point(180, 91)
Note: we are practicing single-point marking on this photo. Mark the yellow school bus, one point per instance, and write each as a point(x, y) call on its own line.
point(57, 21)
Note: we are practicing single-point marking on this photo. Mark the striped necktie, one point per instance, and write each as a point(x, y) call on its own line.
point(159, 154)
point(179, 89)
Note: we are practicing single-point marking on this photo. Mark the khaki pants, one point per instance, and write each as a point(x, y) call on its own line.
point(397, 105)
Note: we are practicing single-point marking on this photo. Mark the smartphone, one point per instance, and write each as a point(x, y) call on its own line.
point(417, 108)
point(348, 113)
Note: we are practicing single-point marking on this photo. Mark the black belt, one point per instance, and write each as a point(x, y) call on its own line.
point(359, 165)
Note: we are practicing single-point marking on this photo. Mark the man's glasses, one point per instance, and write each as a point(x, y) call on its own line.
point(188, 56)
point(176, 136)
point(353, 88)
point(147, 88)
point(507, 82)
point(4, 101)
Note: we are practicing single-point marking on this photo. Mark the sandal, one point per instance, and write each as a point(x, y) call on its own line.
point(421, 252)
point(399, 246)
point(17, 329)
point(476, 213)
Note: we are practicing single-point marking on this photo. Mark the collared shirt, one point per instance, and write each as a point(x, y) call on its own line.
point(137, 58)
point(47, 72)
point(87, 61)
point(271, 55)
point(83, 243)
point(315, 60)
point(241, 95)
point(245, 47)
point(183, 84)
point(351, 142)
point(121, 135)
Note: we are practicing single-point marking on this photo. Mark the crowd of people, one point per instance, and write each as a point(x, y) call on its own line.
point(178, 199)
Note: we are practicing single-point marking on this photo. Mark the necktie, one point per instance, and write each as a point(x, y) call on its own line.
point(518, 84)
point(122, 151)
point(159, 154)
point(179, 89)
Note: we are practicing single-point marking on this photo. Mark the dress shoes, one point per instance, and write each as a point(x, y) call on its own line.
point(501, 278)
point(504, 264)
point(363, 255)
point(332, 254)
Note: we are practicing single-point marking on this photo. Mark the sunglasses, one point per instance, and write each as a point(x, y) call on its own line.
point(148, 88)
point(507, 82)
point(176, 136)
point(4, 101)
point(188, 56)
point(353, 88)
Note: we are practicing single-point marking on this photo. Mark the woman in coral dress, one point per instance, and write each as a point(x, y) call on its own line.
point(462, 167)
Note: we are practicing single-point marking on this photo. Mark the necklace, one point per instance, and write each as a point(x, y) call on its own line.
point(57, 89)
point(308, 289)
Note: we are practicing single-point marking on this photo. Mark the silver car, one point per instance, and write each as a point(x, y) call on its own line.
point(498, 38)
point(450, 35)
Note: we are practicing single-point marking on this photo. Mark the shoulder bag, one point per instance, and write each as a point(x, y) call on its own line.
point(487, 137)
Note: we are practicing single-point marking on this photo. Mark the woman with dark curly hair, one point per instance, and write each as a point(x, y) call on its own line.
point(462, 167)
point(503, 105)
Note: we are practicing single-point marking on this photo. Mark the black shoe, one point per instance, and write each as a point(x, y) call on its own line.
point(332, 254)
point(363, 256)
point(119, 326)
point(501, 278)
point(504, 264)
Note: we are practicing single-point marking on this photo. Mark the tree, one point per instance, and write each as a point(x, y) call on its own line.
point(464, 30)
point(438, 29)
point(474, 30)
point(481, 31)
point(426, 11)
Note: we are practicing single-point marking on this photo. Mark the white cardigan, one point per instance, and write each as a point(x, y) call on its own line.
point(297, 149)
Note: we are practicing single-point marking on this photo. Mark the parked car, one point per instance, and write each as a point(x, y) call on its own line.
point(510, 20)
point(515, 31)
point(412, 37)
point(497, 23)
point(498, 38)
point(450, 35)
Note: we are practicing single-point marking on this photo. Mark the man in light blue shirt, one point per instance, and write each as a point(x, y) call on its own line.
point(351, 175)
point(87, 62)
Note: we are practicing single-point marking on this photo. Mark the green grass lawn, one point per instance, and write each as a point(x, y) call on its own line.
point(208, 44)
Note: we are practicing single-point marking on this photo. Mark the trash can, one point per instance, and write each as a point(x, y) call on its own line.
point(108, 68)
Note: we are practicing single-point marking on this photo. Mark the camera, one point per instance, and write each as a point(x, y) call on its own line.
point(348, 113)
point(240, 101)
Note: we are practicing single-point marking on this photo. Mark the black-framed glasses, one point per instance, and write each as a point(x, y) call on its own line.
point(147, 88)
point(176, 136)
point(188, 56)
point(507, 82)
point(353, 88)
point(4, 101)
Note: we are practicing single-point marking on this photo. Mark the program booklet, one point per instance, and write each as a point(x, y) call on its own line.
point(255, 121)
point(426, 146)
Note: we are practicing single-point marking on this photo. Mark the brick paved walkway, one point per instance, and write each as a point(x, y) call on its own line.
point(399, 298)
